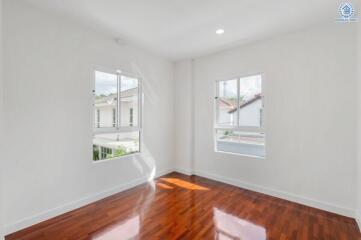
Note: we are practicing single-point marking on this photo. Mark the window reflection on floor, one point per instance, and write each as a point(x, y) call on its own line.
point(125, 230)
point(231, 227)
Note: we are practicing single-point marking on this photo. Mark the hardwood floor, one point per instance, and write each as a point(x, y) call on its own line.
point(177, 206)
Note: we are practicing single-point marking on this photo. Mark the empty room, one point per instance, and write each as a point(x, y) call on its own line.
point(180, 119)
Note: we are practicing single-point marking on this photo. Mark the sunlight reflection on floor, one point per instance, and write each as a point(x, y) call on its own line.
point(127, 230)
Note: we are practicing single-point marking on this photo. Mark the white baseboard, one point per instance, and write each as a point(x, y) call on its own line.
point(358, 219)
point(281, 194)
point(43, 216)
point(2, 237)
point(184, 171)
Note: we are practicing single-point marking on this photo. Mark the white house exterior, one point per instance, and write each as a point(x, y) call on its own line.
point(107, 145)
point(105, 109)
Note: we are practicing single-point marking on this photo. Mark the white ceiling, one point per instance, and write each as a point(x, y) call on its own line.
point(179, 29)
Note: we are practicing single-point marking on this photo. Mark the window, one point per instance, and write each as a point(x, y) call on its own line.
point(116, 129)
point(239, 116)
point(104, 152)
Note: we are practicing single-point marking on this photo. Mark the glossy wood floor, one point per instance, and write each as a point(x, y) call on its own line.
point(176, 206)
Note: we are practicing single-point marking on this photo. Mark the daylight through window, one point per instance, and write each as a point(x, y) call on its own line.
point(116, 115)
point(239, 116)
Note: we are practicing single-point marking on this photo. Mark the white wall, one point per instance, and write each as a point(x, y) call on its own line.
point(310, 119)
point(48, 108)
point(359, 124)
point(1, 122)
point(183, 115)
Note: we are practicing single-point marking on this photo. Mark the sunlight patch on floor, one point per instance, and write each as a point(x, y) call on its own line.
point(164, 186)
point(184, 184)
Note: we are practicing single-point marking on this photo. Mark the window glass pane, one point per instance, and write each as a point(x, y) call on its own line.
point(250, 102)
point(129, 101)
point(111, 145)
point(105, 106)
point(226, 103)
point(247, 143)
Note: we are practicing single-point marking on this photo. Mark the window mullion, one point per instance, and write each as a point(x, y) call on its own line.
point(118, 102)
point(238, 100)
point(140, 101)
point(215, 113)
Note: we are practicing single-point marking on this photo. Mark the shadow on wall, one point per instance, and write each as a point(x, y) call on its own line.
point(147, 85)
point(146, 163)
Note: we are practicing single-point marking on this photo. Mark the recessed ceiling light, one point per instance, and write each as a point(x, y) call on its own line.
point(220, 31)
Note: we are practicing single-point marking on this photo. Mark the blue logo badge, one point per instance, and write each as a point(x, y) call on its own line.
point(347, 12)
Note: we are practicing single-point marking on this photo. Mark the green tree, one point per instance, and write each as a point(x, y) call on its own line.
point(119, 152)
point(95, 153)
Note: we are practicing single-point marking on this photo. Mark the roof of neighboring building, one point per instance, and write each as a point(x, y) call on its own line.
point(246, 103)
point(111, 97)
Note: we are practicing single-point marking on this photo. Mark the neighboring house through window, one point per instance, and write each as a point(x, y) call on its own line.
point(239, 116)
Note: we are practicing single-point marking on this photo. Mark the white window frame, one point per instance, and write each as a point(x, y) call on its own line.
point(118, 128)
point(97, 118)
point(131, 116)
point(237, 127)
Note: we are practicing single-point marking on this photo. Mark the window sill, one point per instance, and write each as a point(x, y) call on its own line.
point(117, 158)
point(241, 155)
